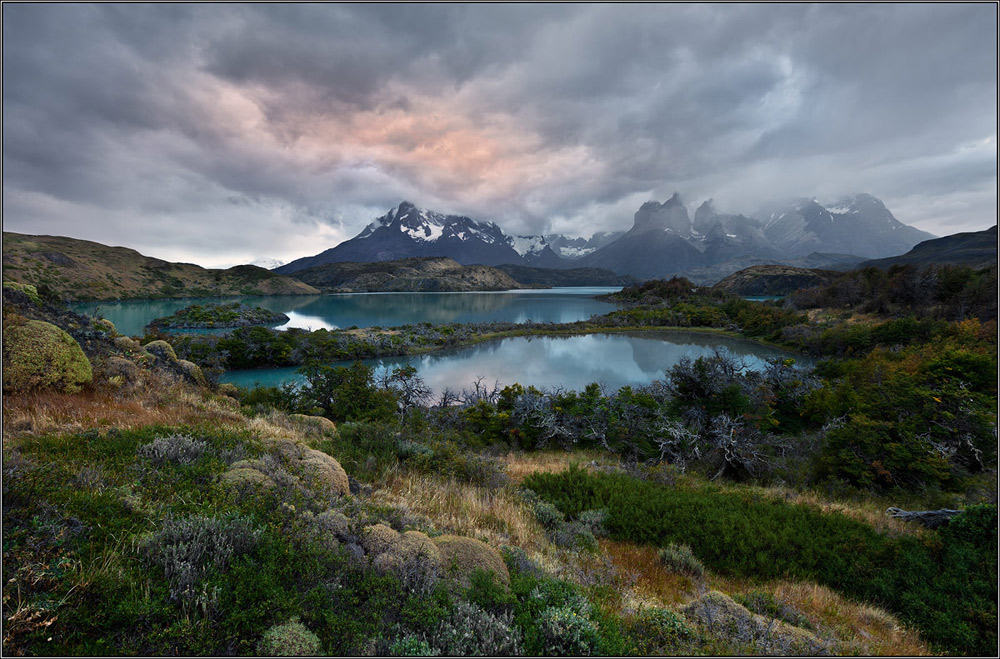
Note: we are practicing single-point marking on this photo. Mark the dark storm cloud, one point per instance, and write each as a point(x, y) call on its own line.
point(144, 122)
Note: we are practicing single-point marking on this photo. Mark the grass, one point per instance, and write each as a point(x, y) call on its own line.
point(944, 585)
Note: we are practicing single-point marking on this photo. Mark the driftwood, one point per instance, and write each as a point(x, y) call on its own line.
point(929, 518)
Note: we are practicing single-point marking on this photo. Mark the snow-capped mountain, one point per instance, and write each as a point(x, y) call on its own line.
point(407, 231)
point(663, 240)
point(859, 224)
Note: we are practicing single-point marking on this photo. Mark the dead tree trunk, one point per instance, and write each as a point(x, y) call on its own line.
point(929, 518)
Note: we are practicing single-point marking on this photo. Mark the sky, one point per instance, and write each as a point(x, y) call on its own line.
point(221, 133)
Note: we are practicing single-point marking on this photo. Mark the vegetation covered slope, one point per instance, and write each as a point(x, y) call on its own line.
point(721, 512)
point(773, 280)
point(428, 274)
point(72, 269)
point(977, 249)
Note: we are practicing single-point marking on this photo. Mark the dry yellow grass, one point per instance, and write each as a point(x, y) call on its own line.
point(519, 465)
point(656, 585)
point(168, 404)
point(497, 516)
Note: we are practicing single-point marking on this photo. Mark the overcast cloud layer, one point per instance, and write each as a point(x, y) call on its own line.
point(221, 133)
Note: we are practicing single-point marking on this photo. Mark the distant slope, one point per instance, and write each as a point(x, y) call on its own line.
point(566, 277)
point(711, 274)
point(975, 248)
point(84, 270)
point(773, 280)
point(415, 274)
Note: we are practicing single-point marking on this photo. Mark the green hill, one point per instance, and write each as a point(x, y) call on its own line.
point(73, 269)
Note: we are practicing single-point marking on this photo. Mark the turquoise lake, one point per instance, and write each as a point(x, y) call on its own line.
point(613, 360)
point(552, 305)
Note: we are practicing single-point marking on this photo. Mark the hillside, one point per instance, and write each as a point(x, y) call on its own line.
point(977, 249)
point(406, 275)
point(569, 277)
point(73, 269)
point(773, 280)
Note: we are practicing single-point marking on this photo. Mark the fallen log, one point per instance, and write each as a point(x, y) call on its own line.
point(929, 518)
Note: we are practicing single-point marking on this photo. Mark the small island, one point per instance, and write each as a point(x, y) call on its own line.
point(210, 316)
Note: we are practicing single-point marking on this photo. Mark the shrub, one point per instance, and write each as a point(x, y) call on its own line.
point(460, 557)
point(412, 646)
point(680, 558)
point(548, 515)
point(179, 449)
point(188, 547)
point(161, 349)
point(291, 639)
point(568, 631)
point(39, 355)
point(471, 631)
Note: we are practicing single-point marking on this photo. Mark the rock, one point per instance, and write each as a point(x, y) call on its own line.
point(162, 350)
point(461, 556)
point(39, 355)
point(732, 621)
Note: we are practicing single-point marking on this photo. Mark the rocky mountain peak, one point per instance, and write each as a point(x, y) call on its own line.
point(670, 216)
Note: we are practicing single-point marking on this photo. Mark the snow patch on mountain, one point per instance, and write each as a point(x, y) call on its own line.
point(527, 244)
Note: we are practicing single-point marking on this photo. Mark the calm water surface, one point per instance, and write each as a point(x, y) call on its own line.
point(553, 305)
point(614, 360)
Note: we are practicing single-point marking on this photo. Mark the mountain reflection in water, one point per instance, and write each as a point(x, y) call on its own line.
point(613, 360)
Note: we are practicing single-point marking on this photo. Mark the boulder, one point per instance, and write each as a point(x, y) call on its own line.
point(39, 355)
point(461, 556)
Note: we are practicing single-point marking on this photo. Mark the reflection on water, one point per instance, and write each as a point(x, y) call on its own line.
point(556, 305)
point(614, 360)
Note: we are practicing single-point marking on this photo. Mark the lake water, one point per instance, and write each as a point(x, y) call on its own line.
point(553, 305)
point(614, 360)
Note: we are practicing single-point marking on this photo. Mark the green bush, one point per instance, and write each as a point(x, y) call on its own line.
point(568, 631)
point(291, 639)
point(945, 585)
point(680, 559)
point(39, 355)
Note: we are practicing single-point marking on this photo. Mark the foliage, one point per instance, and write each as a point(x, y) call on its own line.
point(39, 355)
point(234, 314)
point(291, 639)
point(346, 393)
point(945, 585)
point(181, 449)
point(680, 558)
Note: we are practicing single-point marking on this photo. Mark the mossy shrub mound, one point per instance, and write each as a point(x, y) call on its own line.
point(319, 424)
point(313, 464)
point(161, 349)
point(39, 355)
point(291, 639)
point(120, 372)
point(461, 556)
point(192, 372)
point(735, 623)
point(379, 539)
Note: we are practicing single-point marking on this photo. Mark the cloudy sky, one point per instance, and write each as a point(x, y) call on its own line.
point(217, 134)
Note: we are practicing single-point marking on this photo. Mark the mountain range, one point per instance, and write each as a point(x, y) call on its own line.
point(664, 240)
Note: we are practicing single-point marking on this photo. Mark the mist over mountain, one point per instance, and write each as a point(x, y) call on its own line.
point(664, 238)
